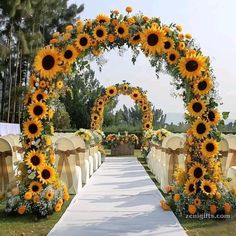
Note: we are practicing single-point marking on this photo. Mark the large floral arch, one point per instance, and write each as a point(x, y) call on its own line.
point(136, 93)
point(198, 187)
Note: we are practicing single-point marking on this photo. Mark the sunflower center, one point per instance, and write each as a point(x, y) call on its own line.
point(207, 188)
point(38, 110)
point(136, 37)
point(201, 128)
point(46, 174)
point(35, 188)
point(197, 106)
point(198, 172)
point(144, 107)
point(68, 54)
point(191, 188)
point(191, 66)
point(152, 39)
point(83, 41)
point(48, 62)
point(95, 117)
point(147, 125)
point(102, 21)
point(35, 160)
point(39, 97)
point(172, 57)
point(111, 91)
point(167, 45)
point(210, 147)
point(33, 128)
point(135, 95)
point(121, 30)
point(100, 33)
point(202, 85)
point(211, 116)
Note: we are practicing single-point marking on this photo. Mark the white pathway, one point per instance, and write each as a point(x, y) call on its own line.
point(119, 199)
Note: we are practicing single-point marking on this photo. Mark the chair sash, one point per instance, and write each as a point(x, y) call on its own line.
point(233, 159)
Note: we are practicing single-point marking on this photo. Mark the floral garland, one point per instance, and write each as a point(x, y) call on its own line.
point(86, 135)
point(113, 140)
point(135, 93)
point(202, 183)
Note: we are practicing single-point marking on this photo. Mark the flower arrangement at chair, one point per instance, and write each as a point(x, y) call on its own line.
point(168, 48)
point(159, 135)
point(136, 93)
point(98, 136)
point(113, 140)
point(86, 135)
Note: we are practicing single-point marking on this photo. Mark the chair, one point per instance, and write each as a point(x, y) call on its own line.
point(224, 149)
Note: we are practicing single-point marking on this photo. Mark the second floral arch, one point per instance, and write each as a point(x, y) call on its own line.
point(136, 93)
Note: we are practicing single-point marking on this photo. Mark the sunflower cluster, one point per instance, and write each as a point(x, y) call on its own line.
point(113, 140)
point(167, 48)
point(135, 93)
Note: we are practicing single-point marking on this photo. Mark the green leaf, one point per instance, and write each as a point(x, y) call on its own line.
point(32, 175)
point(225, 115)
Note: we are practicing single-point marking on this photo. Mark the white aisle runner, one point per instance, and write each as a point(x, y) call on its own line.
point(119, 199)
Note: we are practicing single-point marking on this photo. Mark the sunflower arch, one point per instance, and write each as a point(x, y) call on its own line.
point(135, 93)
point(41, 191)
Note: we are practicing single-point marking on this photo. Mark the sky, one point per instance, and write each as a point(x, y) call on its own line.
point(212, 25)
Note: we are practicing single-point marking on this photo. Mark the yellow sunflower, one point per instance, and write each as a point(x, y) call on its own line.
point(135, 95)
point(70, 54)
point(37, 110)
point(168, 44)
point(35, 187)
point(141, 101)
point(35, 159)
point(197, 202)
point(210, 148)
point(111, 91)
point(46, 174)
point(180, 176)
point(100, 109)
point(103, 19)
point(83, 41)
point(152, 40)
point(95, 117)
point(32, 128)
point(125, 88)
point(122, 30)
point(203, 86)
point(100, 102)
point(136, 39)
point(192, 66)
point(200, 128)
point(39, 95)
point(42, 84)
point(147, 125)
point(196, 107)
point(100, 33)
point(197, 171)
point(59, 84)
point(145, 107)
point(172, 56)
point(46, 62)
point(209, 188)
point(213, 117)
point(190, 187)
point(49, 195)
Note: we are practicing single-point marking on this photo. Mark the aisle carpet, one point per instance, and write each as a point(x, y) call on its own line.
point(119, 199)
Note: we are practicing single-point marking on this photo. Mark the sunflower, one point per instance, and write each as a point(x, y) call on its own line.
point(125, 88)
point(197, 171)
point(180, 176)
point(210, 148)
point(213, 117)
point(153, 40)
point(95, 117)
point(46, 174)
point(202, 86)
point(70, 54)
point(100, 109)
point(28, 195)
point(196, 107)
point(200, 128)
point(136, 39)
point(111, 91)
point(111, 38)
point(59, 84)
point(35, 187)
point(49, 195)
point(209, 188)
point(190, 187)
point(42, 84)
point(135, 95)
point(100, 33)
point(172, 56)
point(100, 102)
point(192, 66)
point(39, 95)
point(147, 125)
point(83, 41)
point(35, 159)
point(103, 19)
point(32, 128)
point(192, 209)
point(37, 110)
point(122, 30)
point(141, 101)
point(168, 44)
point(144, 107)
point(46, 62)
point(197, 202)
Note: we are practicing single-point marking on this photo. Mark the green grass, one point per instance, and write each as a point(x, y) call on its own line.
point(28, 225)
point(199, 227)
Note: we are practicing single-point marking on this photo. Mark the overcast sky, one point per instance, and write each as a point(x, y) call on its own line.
point(212, 25)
